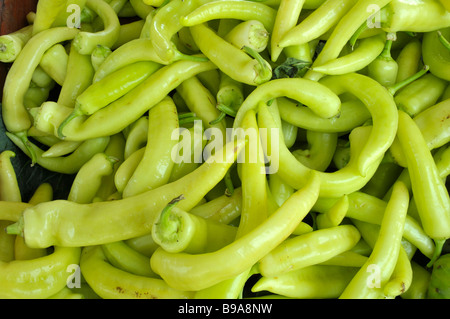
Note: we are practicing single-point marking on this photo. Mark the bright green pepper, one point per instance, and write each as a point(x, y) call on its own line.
point(54, 63)
point(420, 94)
point(176, 230)
point(46, 13)
point(15, 115)
point(65, 164)
point(438, 286)
point(385, 251)
point(320, 149)
point(79, 75)
point(122, 256)
point(308, 249)
point(89, 177)
point(11, 44)
point(408, 60)
point(317, 281)
point(110, 89)
point(230, 59)
point(129, 53)
point(9, 188)
point(77, 224)
point(199, 271)
point(288, 14)
point(353, 113)
point(115, 117)
point(414, 16)
point(384, 68)
point(317, 23)
point(226, 9)
point(110, 282)
point(223, 209)
point(364, 54)
point(419, 284)
point(429, 191)
point(37, 278)
point(85, 42)
point(250, 33)
point(373, 213)
point(435, 55)
point(156, 165)
point(342, 33)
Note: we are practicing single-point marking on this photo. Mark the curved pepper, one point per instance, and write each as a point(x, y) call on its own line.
point(353, 113)
point(124, 257)
point(229, 59)
point(226, 9)
point(317, 281)
point(431, 196)
point(37, 278)
point(11, 44)
point(115, 117)
point(194, 272)
point(110, 89)
point(435, 55)
point(65, 164)
point(85, 42)
point(15, 115)
point(385, 251)
point(9, 188)
point(342, 33)
point(79, 75)
point(110, 282)
point(156, 165)
point(318, 97)
point(76, 224)
point(414, 16)
point(381, 106)
point(365, 53)
point(89, 178)
point(176, 230)
point(308, 249)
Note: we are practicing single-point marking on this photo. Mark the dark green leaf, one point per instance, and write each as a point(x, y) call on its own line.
point(291, 68)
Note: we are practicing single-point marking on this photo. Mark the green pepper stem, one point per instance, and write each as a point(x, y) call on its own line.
point(394, 88)
point(218, 119)
point(226, 109)
point(229, 184)
point(16, 228)
point(363, 27)
point(188, 119)
point(439, 243)
point(166, 221)
point(24, 138)
point(266, 72)
point(187, 57)
point(76, 113)
point(443, 40)
point(386, 53)
point(186, 115)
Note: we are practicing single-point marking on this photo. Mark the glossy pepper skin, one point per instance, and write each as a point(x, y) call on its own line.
point(194, 272)
point(78, 228)
point(435, 55)
point(385, 251)
point(34, 278)
point(438, 286)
